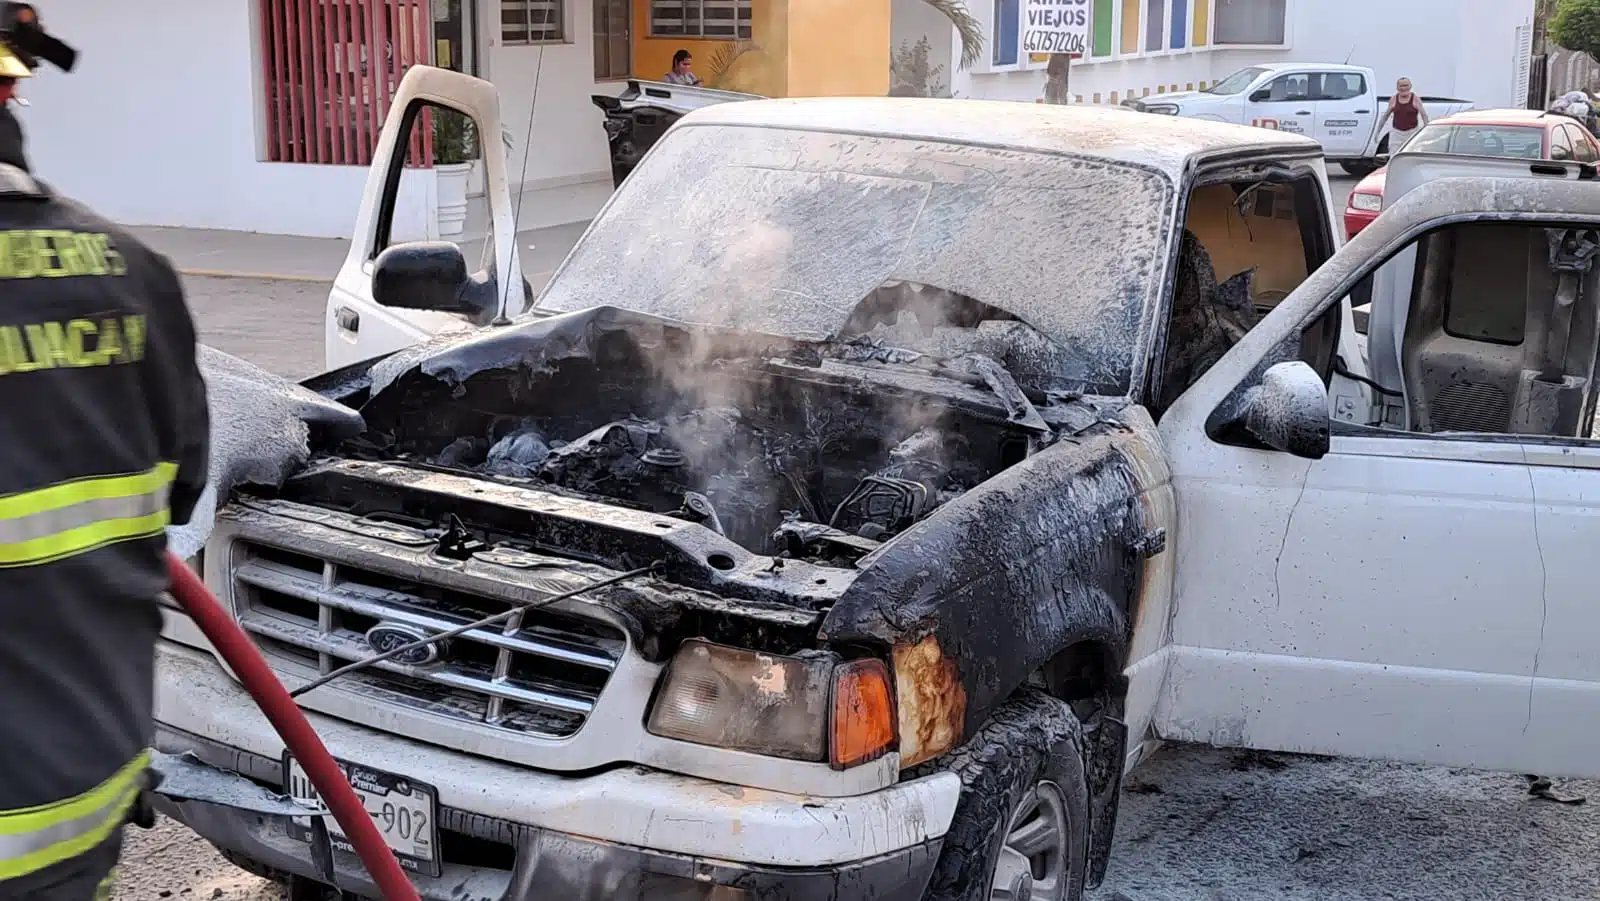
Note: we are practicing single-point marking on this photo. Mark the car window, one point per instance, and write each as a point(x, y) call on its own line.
point(1509, 141)
point(1583, 147)
point(1289, 87)
point(1340, 86)
point(1560, 144)
point(1236, 82)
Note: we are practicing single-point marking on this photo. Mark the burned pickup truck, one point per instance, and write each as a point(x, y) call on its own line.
point(875, 482)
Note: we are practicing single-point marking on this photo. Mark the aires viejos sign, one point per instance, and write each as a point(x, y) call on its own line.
point(1056, 26)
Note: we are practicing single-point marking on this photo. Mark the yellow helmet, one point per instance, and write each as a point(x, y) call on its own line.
point(11, 66)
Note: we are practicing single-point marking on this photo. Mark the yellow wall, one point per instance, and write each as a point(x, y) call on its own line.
point(798, 48)
point(838, 48)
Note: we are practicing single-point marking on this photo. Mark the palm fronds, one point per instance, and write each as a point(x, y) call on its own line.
point(967, 27)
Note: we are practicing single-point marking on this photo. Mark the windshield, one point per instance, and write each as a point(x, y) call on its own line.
point(1236, 82)
point(1525, 142)
point(811, 234)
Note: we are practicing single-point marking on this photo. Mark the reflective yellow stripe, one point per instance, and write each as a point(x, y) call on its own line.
point(37, 837)
point(81, 515)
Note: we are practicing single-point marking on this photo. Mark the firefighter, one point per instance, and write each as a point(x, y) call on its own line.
point(104, 444)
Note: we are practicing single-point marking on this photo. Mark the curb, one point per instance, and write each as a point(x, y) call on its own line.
point(258, 276)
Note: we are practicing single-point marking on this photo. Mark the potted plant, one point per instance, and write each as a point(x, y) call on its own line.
point(454, 148)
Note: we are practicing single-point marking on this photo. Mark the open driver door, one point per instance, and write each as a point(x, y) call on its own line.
point(391, 294)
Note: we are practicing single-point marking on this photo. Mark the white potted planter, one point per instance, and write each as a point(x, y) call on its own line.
point(454, 147)
point(453, 178)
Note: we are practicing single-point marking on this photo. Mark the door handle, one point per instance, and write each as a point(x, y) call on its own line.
point(348, 319)
point(1302, 112)
point(1363, 111)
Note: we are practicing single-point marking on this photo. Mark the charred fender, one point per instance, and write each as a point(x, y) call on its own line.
point(978, 597)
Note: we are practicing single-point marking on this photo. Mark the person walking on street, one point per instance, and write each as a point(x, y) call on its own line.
point(106, 443)
point(1406, 109)
point(681, 74)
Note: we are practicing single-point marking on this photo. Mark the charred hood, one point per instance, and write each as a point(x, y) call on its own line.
point(807, 450)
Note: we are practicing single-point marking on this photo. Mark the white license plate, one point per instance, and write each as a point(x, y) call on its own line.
point(406, 813)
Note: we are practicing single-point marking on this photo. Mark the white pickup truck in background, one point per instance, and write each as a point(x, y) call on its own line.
point(1337, 105)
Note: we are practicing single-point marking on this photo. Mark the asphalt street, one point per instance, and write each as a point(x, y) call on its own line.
point(1197, 824)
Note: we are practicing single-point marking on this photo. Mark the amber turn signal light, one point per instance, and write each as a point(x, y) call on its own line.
point(863, 721)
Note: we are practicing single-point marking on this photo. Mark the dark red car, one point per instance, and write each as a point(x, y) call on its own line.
point(1515, 133)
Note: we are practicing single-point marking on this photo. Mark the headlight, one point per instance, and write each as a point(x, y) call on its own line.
point(1367, 203)
point(815, 709)
point(1162, 109)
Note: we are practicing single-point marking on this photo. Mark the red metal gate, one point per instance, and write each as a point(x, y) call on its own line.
point(330, 70)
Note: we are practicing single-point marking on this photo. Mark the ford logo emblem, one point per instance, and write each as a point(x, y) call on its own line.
point(385, 637)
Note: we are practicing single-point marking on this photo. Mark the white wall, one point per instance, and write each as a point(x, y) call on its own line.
point(568, 138)
point(157, 126)
point(1461, 48)
point(159, 123)
point(912, 20)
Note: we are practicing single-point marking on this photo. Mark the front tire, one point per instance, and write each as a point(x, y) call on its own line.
point(1360, 169)
point(1021, 827)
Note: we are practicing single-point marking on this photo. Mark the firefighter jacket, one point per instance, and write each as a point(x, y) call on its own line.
point(11, 151)
point(104, 444)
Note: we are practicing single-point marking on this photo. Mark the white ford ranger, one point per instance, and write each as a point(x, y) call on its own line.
point(876, 481)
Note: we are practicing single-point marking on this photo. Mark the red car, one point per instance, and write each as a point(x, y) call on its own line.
point(1515, 133)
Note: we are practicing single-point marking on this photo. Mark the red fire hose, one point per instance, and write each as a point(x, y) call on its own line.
point(274, 701)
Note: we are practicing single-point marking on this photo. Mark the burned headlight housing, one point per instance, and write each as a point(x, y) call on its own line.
point(817, 708)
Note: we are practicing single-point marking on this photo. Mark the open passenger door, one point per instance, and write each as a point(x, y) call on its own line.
point(390, 295)
point(1418, 588)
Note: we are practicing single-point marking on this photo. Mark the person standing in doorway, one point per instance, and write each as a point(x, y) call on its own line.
point(1406, 109)
point(682, 62)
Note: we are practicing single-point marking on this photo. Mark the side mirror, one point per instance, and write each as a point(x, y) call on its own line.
point(1288, 411)
point(424, 275)
point(1261, 96)
point(1560, 153)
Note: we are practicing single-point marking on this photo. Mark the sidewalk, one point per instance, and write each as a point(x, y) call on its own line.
point(230, 254)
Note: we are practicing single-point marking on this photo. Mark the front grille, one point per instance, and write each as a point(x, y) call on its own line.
point(540, 674)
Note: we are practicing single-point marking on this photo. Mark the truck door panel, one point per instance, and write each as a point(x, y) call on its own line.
point(1284, 103)
point(1344, 113)
point(1408, 596)
point(1381, 602)
point(1564, 695)
point(428, 111)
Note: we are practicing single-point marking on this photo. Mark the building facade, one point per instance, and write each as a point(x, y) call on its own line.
point(260, 115)
point(1468, 49)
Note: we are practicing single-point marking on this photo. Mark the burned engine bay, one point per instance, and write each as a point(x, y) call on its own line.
point(818, 452)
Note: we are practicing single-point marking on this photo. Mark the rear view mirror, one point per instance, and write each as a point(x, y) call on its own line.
point(1288, 411)
point(425, 275)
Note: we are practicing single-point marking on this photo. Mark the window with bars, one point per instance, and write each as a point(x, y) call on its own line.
point(710, 19)
point(533, 21)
